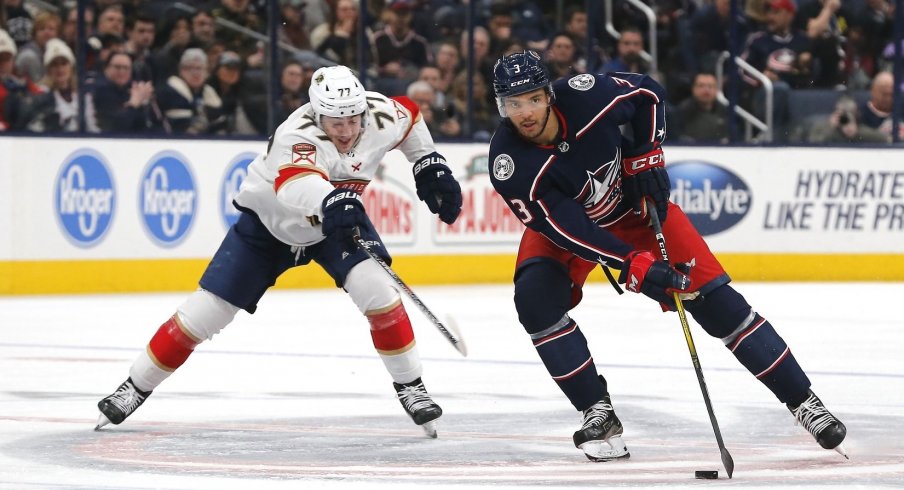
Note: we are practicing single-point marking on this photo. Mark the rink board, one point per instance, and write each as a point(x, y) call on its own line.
point(115, 215)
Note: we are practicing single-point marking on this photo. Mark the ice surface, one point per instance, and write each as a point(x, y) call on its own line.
point(295, 397)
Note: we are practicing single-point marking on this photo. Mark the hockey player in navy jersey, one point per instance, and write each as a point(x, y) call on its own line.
point(560, 161)
point(301, 202)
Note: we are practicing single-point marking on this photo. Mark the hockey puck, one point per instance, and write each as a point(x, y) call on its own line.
point(706, 475)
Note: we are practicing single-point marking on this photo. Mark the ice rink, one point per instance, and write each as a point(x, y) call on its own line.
point(294, 396)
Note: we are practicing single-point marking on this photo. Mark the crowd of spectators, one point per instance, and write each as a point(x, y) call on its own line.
point(202, 67)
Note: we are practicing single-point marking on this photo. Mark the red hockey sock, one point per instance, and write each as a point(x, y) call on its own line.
point(171, 345)
point(391, 330)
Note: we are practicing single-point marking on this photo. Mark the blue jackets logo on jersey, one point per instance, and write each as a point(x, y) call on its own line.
point(714, 198)
point(582, 82)
point(229, 187)
point(503, 167)
point(167, 198)
point(85, 198)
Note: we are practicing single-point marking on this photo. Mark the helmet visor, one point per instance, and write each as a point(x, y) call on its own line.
point(523, 103)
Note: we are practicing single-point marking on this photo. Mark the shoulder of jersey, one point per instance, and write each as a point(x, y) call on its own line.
point(511, 166)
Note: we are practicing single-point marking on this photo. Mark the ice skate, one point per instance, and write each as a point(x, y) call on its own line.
point(419, 406)
point(828, 431)
point(116, 407)
point(600, 436)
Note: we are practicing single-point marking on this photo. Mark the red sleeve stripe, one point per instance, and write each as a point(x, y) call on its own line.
point(290, 173)
point(610, 105)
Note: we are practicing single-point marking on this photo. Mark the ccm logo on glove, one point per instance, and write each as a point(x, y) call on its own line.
point(635, 165)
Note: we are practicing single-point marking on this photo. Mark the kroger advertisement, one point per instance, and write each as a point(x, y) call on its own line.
point(73, 199)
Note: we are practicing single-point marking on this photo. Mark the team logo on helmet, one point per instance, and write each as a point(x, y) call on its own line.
point(503, 167)
point(582, 82)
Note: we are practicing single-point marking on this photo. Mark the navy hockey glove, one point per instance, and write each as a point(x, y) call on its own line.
point(343, 213)
point(644, 273)
point(437, 187)
point(645, 176)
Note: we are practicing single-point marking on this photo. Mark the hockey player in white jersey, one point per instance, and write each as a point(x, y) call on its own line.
point(301, 202)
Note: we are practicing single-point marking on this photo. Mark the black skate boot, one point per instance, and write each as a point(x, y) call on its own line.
point(116, 407)
point(600, 436)
point(813, 415)
point(419, 406)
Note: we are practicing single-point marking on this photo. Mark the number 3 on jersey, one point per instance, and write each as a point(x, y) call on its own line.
point(521, 211)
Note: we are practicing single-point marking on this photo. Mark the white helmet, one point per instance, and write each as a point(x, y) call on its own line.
point(336, 92)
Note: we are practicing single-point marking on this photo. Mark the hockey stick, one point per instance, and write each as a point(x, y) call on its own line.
point(660, 239)
point(451, 332)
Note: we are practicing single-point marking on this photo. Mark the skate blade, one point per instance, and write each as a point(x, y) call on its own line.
point(840, 449)
point(102, 420)
point(608, 450)
point(430, 429)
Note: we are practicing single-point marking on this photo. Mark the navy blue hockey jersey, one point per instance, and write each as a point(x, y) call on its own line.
point(570, 191)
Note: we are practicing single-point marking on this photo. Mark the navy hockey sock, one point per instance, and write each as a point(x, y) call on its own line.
point(542, 298)
point(725, 314)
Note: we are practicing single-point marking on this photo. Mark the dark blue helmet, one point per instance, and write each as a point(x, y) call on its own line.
point(520, 73)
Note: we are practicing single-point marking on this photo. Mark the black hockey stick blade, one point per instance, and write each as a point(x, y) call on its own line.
point(451, 331)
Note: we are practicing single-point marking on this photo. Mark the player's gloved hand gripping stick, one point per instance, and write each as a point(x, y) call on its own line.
point(451, 331)
point(726, 456)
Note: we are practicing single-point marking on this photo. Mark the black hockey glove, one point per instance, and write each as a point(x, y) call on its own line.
point(643, 273)
point(644, 175)
point(343, 213)
point(437, 187)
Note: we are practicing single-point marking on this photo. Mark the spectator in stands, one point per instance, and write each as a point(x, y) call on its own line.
point(485, 116)
point(234, 93)
point(448, 58)
point(61, 85)
point(448, 22)
point(30, 60)
point(433, 76)
point(69, 29)
point(169, 43)
point(188, 104)
point(560, 57)
point(843, 127)
point(529, 24)
point(111, 20)
point(709, 30)
point(782, 54)
point(18, 21)
point(140, 38)
point(401, 52)
point(337, 39)
point(499, 25)
point(876, 113)
point(292, 28)
point(239, 12)
point(818, 18)
point(20, 98)
point(700, 118)
point(576, 27)
point(628, 53)
point(294, 83)
point(102, 46)
point(122, 105)
point(203, 32)
point(483, 63)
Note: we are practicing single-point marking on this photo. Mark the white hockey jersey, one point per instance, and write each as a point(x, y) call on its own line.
point(286, 185)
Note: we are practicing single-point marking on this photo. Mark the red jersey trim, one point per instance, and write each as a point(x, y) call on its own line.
point(294, 172)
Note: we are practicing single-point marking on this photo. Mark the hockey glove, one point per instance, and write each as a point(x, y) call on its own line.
point(645, 176)
point(343, 213)
point(437, 187)
point(643, 273)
